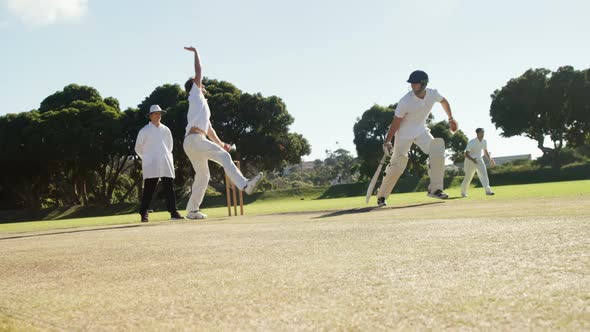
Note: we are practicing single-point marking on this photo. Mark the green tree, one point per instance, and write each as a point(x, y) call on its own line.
point(71, 93)
point(342, 164)
point(80, 142)
point(24, 177)
point(338, 166)
point(257, 125)
point(541, 104)
point(370, 131)
point(578, 135)
point(78, 148)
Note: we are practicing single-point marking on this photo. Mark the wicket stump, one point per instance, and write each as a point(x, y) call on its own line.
point(228, 186)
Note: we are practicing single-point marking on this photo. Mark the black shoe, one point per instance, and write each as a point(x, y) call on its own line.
point(490, 193)
point(176, 216)
point(381, 202)
point(438, 194)
point(144, 217)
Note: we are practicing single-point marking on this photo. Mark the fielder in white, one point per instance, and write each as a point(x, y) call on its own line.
point(409, 126)
point(202, 144)
point(474, 162)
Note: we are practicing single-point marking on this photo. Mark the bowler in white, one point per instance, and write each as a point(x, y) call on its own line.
point(202, 144)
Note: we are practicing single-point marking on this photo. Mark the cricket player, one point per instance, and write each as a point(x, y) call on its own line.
point(409, 126)
point(154, 147)
point(474, 162)
point(202, 144)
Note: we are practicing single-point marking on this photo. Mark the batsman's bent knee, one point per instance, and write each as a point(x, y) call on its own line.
point(394, 170)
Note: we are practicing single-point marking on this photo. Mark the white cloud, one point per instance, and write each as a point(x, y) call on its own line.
point(45, 12)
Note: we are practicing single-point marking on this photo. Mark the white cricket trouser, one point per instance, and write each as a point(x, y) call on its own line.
point(403, 146)
point(200, 150)
point(401, 149)
point(470, 168)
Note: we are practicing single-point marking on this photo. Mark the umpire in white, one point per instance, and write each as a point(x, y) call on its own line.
point(154, 147)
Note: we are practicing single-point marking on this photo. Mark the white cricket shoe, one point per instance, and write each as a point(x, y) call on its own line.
point(252, 183)
point(195, 215)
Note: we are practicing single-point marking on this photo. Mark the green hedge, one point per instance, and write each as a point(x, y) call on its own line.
point(567, 173)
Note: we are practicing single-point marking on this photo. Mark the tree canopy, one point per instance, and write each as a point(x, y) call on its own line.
point(541, 104)
point(78, 147)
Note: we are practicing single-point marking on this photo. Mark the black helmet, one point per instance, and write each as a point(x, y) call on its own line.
point(418, 76)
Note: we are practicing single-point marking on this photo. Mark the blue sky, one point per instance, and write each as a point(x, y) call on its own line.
point(328, 60)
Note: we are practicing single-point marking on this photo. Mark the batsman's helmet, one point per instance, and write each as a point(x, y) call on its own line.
point(418, 76)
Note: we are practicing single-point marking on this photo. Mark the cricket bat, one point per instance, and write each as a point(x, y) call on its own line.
point(374, 179)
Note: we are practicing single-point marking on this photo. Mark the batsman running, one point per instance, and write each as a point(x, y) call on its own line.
point(409, 126)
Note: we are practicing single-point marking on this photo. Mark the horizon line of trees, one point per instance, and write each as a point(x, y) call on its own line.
point(78, 147)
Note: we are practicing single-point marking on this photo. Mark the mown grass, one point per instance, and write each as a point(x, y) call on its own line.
point(517, 261)
point(308, 201)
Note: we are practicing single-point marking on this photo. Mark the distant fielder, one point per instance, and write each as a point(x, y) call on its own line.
point(409, 126)
point(474, 162)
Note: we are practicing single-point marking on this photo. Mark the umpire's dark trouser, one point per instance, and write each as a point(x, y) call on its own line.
point(149, 187)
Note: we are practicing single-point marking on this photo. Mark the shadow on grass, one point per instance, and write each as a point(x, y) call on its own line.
point(69, 232)
point(70, 212)
point(371, 208)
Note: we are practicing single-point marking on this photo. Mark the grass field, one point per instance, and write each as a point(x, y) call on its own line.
point(519, 260)
point(311, 203)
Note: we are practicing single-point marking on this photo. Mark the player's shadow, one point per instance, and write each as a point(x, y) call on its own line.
point(371, 208)
point(68, 232)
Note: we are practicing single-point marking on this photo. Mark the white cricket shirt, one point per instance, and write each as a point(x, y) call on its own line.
point(414, 112)
point(198, 111)
point(475, 147)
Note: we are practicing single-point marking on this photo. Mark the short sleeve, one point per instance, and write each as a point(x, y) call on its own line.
point(469, 146)
point(437, 96)
point(401, 110)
